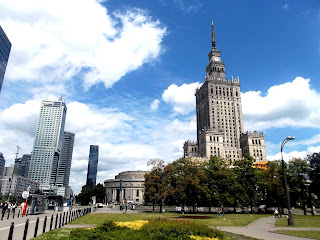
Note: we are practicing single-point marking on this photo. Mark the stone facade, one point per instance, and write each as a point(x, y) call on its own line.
point(252, 143)
point(190, 149)
point(219, 114)
point(127, 186)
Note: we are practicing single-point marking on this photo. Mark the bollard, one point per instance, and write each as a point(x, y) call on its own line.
point(36, 228)
point(25, 233)
point(66, 219)
point(18, 214)
point(11, 231)
point(63, 219)
point(27, 212)
point(8, 215)
point(51, 222)
point(44, 225)
point(13, 212)
point(60, 220)
point(56, 223)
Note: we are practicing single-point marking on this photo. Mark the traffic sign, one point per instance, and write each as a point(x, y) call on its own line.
point(25, 194)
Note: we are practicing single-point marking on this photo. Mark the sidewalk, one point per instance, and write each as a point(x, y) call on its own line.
point(263, 229)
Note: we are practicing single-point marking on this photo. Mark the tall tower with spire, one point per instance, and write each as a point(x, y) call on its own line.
point(219, 114)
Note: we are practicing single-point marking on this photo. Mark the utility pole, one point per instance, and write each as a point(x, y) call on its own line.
point(10, 180)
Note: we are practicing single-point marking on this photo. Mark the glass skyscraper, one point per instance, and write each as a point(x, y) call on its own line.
point(92, 166)
point(5, 47)
point(64, 167)
point(48, 143)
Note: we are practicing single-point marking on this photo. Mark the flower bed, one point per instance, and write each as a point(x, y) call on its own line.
point(158, 228)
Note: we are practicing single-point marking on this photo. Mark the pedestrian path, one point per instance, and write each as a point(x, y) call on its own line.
point(263, 228)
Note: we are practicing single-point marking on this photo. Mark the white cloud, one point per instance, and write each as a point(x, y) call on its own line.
point(126, 142)
point(295, 154)
point(56, 40)
point(189, 6)
point(154, 105)
point(293, 104)
point(181, 97)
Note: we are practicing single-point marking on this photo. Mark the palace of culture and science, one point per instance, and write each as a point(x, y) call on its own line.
point(220, 130)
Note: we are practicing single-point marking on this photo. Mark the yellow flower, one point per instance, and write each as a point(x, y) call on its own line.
point(135, 225)
point(89, 228)
point(202, 238)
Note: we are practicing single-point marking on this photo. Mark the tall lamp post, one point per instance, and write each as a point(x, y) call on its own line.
point(290, 216)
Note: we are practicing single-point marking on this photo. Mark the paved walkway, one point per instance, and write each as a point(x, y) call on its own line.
point(263, 229)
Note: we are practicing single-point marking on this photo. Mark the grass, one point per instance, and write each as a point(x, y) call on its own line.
point(214, 220)
point(305, 234)
point(300, 221)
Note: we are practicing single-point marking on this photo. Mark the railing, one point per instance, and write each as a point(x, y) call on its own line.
point(57, 221)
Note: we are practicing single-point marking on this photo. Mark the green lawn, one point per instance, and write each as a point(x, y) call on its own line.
point(305, 234)
point(300, 221)
point(213, 220)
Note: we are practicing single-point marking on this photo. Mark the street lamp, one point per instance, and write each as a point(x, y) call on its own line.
point(290, 216)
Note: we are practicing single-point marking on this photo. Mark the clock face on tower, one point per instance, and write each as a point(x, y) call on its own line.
point(216, 59)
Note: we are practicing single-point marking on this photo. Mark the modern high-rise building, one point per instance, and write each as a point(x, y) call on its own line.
point(219, 115)
point(48, 144)
point(2, 165)
point(93, 166)
point(65, 160)
point(5, 47)
point(22, 164)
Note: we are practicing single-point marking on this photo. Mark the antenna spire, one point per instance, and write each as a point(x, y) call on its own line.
point(213, 38)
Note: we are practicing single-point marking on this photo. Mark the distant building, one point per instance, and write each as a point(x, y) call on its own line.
point(5, 47)
point(22, 164)
point(219, 114)
point(48, 144)
point(64, 167)
point(18, 183)
point(128, 186)
point(93, 166)
point(2, 164)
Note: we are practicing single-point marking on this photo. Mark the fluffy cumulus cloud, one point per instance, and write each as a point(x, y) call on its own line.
point(292, 104)
point(51, 44)
point(181, 97)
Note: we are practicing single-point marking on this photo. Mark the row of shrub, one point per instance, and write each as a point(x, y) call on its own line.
point(158, 228)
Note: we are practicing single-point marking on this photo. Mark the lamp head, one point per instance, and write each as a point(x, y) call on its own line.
point(290, 138)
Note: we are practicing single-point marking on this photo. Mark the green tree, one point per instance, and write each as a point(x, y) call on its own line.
point(298, 171)
point(314, 161)
point(270, 187)
point(100, 192)
point(154, 182)
point(219, 183)
point(84, 197)
point(246, 179)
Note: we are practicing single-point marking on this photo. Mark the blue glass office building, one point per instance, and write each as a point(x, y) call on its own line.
point(5, 47)
point(93, 166)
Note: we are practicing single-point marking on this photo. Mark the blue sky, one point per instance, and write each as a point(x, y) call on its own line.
point(128, 71)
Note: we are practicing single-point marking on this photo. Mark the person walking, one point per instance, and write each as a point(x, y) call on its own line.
point(21, 208)
point(14, 206)
point(4, 209)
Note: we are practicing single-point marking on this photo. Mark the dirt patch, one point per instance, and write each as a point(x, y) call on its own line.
point(193, 217)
